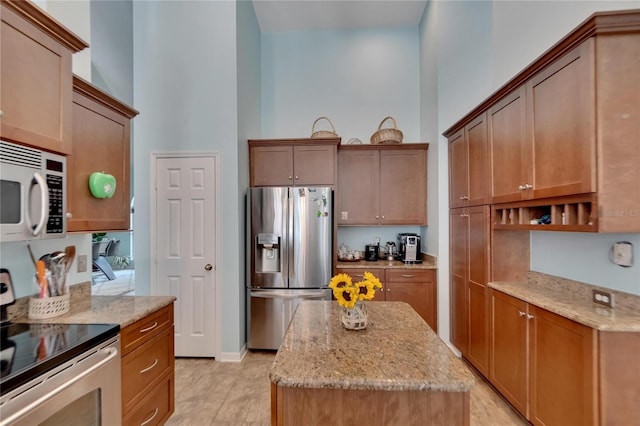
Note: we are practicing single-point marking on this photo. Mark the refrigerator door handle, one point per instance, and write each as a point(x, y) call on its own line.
point(265, 294)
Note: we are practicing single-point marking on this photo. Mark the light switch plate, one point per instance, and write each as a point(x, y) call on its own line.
point(82, 263)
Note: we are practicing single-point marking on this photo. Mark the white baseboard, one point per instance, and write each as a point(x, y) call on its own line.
point(233, 356)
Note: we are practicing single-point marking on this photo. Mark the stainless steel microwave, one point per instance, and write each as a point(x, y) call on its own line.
point(33, 200)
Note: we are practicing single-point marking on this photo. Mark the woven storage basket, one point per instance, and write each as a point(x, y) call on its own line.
point(382, 136)
point(48, 307)
point(316, 134)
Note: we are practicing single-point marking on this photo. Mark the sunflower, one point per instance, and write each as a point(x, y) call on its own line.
point(340, 281)
point(375, 282)
point(365, 290)
point(346, 296)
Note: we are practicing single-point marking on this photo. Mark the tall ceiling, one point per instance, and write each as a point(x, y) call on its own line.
point(292, 15)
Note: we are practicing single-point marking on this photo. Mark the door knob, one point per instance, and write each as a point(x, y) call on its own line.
point(208, 267)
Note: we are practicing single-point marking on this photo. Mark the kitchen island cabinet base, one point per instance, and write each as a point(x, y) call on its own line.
point(295, 405)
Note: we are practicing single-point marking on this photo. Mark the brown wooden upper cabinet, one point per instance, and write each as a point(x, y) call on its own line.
point(101, 143)
point(382, 184)
point(542, 135)
point(36, 77)
point(293, 162)
point(562, 134)
point(468, 165)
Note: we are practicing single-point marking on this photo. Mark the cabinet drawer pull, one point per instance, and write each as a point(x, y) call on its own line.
point(408, 276)
point(155, 413)
point(144, 370)
point(144, 330)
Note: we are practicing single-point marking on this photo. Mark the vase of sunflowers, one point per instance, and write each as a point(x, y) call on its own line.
point(351, 296)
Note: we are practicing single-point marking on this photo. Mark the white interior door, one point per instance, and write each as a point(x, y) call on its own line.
point(185, 248)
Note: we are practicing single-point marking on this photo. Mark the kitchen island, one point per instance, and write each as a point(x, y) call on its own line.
point(395, 372)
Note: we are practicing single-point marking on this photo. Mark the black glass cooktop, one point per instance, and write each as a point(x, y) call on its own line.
point(28, 350)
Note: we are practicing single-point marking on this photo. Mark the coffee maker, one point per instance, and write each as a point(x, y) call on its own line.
point(409, 248)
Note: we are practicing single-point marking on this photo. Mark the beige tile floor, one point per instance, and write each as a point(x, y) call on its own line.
point(213, 393)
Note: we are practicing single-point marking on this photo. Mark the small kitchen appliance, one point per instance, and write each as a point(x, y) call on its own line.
point(7, 297)
point(371, 252)
point(409, 248)
point(33, 199)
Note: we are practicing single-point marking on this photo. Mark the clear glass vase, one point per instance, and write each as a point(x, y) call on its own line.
point(355, 318)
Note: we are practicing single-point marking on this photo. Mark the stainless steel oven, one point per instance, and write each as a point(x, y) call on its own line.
point(81, 390)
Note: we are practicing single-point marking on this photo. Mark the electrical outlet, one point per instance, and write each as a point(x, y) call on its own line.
point(82, 263)
point(603, 297)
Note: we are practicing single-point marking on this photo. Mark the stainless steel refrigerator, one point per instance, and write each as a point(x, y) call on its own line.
point(289, 232)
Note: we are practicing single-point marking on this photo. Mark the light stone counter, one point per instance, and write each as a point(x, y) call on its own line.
point(573, 300)
point(428, 262)
point(87, 309)
point(397, 351)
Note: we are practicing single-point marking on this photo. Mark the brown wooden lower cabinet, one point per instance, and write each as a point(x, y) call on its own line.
point(417, 287)
point(148, 369)
point(555, 371)
point(342, 407)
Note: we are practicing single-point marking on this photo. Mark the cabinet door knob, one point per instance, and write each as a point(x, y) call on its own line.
point(297, 177)
point(527, 186)
point(290, 177)
point(383, 217)
point(520, 313)
point(529, 316)
point(521, 187)
point(377, 217)
point(69, 215)
point(208, 267)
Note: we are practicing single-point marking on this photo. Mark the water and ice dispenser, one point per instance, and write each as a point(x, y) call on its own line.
point(267, 253)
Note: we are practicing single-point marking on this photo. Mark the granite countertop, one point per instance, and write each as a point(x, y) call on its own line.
point(87, 309)
point(397, 351)
point(573, 300)
point(428, 262)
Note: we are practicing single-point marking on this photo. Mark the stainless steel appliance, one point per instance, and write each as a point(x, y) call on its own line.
point(409, 248)
point(54, 374)
point(58, 374)
point(289, 232)
point(33, 203)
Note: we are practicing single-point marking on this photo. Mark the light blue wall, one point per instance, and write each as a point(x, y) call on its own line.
point(585, 257)
point(185, 85)
point(455, 55)
point(249, 122)
point(354, 77)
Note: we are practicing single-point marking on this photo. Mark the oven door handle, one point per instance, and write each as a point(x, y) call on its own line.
point(111, 352)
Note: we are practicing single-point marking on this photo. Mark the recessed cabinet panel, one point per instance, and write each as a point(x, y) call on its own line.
point(314, 165)
point(382, 185)
point(36, 78)
point(293, 162)
point(403, 187)
point(358, 187)
point(272, 165)
point(458, 170)
point(101, 143)
point(561, 102)
point(507, 148)
point(509, 366)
